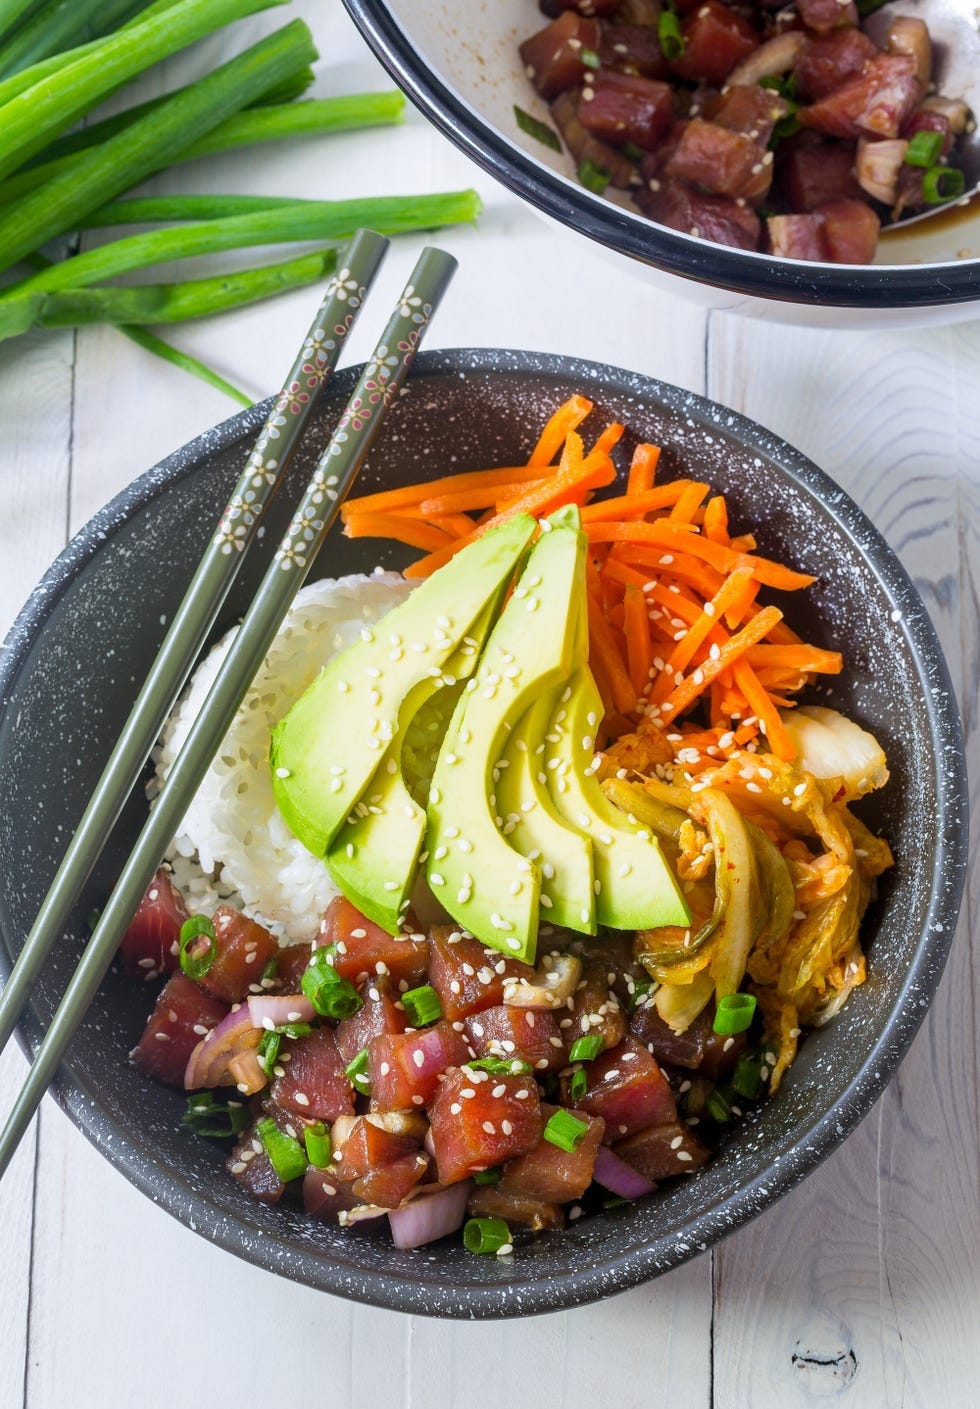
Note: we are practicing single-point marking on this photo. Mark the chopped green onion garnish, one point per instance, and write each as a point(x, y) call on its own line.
point(718, 1106)
point(640, 990)
point(287, 1155)
point(356, 1073)
point(670, 35)
point(787, 126)
point(615, 1201)
point(783, 84)
point(537, 129)
point(586, 1049)
point(502, 1066)
point(593, 177)
point(488, 1176)
point(924, 149)
point(631, 150)
point(270, 971)
point(578, 1085)
point(317, 1140)
point(485, 1234)
point(565, 1130)
point(195, 962)
point(747, 1080)
point(423, 1005)
point(295, 1029)
point(331, 995)
point(206, 1116)
point(268, 1051)
point(589, 58)
point(735, 1013)
point(695, 1097)
point(942, 183)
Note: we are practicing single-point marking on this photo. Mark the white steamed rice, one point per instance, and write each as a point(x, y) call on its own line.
point(232, 844)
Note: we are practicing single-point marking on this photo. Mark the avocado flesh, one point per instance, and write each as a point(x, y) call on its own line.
point(534, 827)
point(484, 884)
point(635, 887)
point(327, 749)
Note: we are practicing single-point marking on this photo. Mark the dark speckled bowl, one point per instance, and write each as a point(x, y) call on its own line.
point(68, 674)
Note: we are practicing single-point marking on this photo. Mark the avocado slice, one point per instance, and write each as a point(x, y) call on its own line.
point(328, 747)
point(635, 888)
point(481, 881)
point(534, 826)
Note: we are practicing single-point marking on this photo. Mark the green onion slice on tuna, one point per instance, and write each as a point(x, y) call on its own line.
point(356, 1073)
point(501, 1066)
point(924, 149)
point(586, 1049)
point(670, 34)
point(747, 1080)
point(268, 1051)
point(195, 956)
point(287, 1155)
point(331, 995)
point(735, 1013)
point(422, 1005)
point(218, 1119)
point(488, 1176)
point(486, 1235)
point(593, 177)
point(565, 1130)
point(578, 1085)
point(318, 1148)
point(942, 183)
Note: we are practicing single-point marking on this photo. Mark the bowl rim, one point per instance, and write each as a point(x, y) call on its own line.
point(619, 1272)
point(870, 286)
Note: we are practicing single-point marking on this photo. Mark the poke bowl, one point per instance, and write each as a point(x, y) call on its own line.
point(80, 648)
point(470, 79)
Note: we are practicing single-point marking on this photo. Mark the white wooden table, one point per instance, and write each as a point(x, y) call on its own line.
point(864, 1283)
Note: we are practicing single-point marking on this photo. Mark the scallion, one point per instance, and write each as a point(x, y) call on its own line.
point(316, 1137)
point(586, 1049)
point(422, 1005)
point(670, 34)
point(565, 1130)
point(485, 1235)
point(923, 149)
point(287, 1155)
point(195, 960)
point(718, 1106)
point(501, 1066)
point(734, 1013)
point(332, 996)
point(356, 1073)
point(747, 1077)
point(589, 58)
point(267, 1052)
point(537, 129)
point(217, 1119)
point(593, 177)
point(578, 1085)
point(941, 184)
point(488, 1176)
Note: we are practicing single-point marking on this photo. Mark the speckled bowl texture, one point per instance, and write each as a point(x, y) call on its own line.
point(69, 671)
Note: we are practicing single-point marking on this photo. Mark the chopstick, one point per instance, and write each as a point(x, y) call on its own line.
point(209, 587)
point(336, 470)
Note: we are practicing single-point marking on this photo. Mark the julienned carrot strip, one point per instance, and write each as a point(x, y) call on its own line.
point(603, 643)
point(403, 530)
point(679, 566)
point(740, 607)
point(765, 711)
point(639, 648)
point(643, 468)
point(387, 500)
point(706, 624)
point(602, 684)
point(568, 416)
point(667, 534)
point(687, 503)
point(634, 506)
point(716, 520)
point(684, 694)
point(609, 439)
point(477, 496)
point(796, 659)
point(457, 525)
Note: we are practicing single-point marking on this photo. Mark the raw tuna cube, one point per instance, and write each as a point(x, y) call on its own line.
point(551, 1174)
point(814, 172)
point(313, 1085)
point(824, 15)
point(699, 1049)
point(151, 944)
point(379, 1014)
point(723, 162)
point(405, 1067)
point(751, 110)
point(368, 1146)
point(595, 1008)
point(183, 1014)
point(518, 1032)
point(879, 101)
point(584, 147)
point(715, 218)
point(252, 1168)
point(387, 1185)
point(715, 40)
point(626, 1088)
point(663, 1150)
point(828, 61)
point(480, 1120)
point(621, 107)
point(467, 976)
point(487, 1201)
point(634, 47)
point(292, 963)
point(365, 950)
point(850, 232)
point(324, 1196)
point(244, 949)
point(552, 58)
point(797, 236)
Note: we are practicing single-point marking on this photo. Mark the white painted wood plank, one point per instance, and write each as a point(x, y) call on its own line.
point(866, 1278)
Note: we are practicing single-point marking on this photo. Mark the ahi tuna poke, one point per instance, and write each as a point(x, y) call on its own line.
point(519, 875)
point(781, 129)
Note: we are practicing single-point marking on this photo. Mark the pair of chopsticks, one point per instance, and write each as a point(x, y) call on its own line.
point(331, 481)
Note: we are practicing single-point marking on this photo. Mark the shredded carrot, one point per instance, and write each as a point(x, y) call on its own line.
point(765, 711)
point(639, 648)
point(388, 500)
point(634, 506)
point(797, 659)
point(686, 508)
point(643, 468)
point(667, 534)
point(478, 496)
point(685, 693)
point(567, 418)
point(403, 530)
point(707, 623)
point(716, 520)
point(603, 644)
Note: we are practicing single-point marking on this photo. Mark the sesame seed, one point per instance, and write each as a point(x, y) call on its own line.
point(417, 1101)
point(301, 1098)
point(685, 1156)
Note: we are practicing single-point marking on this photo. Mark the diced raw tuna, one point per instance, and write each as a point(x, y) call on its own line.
point(663, 1150)
point(723, 162)
point(716, 218)
point(626, 1088)
point(182, 1015)
point(749, 109)
point(405, 1067)
point(550, 1173)
point(487, 1201)
point(621, 107)
point(586, 148)
point(313, 1085)
point(324, 1196)
point(715, 40)
point(553, 57)
point(813, 172)
point(252, 1168)
point(850, 232)
point(797, 236)
point(827, 62)
point(634, 47)
point(822, 16)
point(467, 976)
point(879, 100)
point(292, 963)
point(480, 1120)
point(369, 1145)
point(244, 949)
point(700, 1048)
point(378, 1015)
point(365, 950)
point(387, 1185)
point(151, 944)
point(508, 1032)
point(612, 950)
point(596, 1010)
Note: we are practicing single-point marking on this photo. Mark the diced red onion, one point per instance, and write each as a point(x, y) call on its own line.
point(776, 56)
point(429, 1216)
point(877, 166)
point(280, 1009)
point(208, 1064)
point(248, 1074)
point(954, 110)
point(910, 37)
point(619, 1177)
